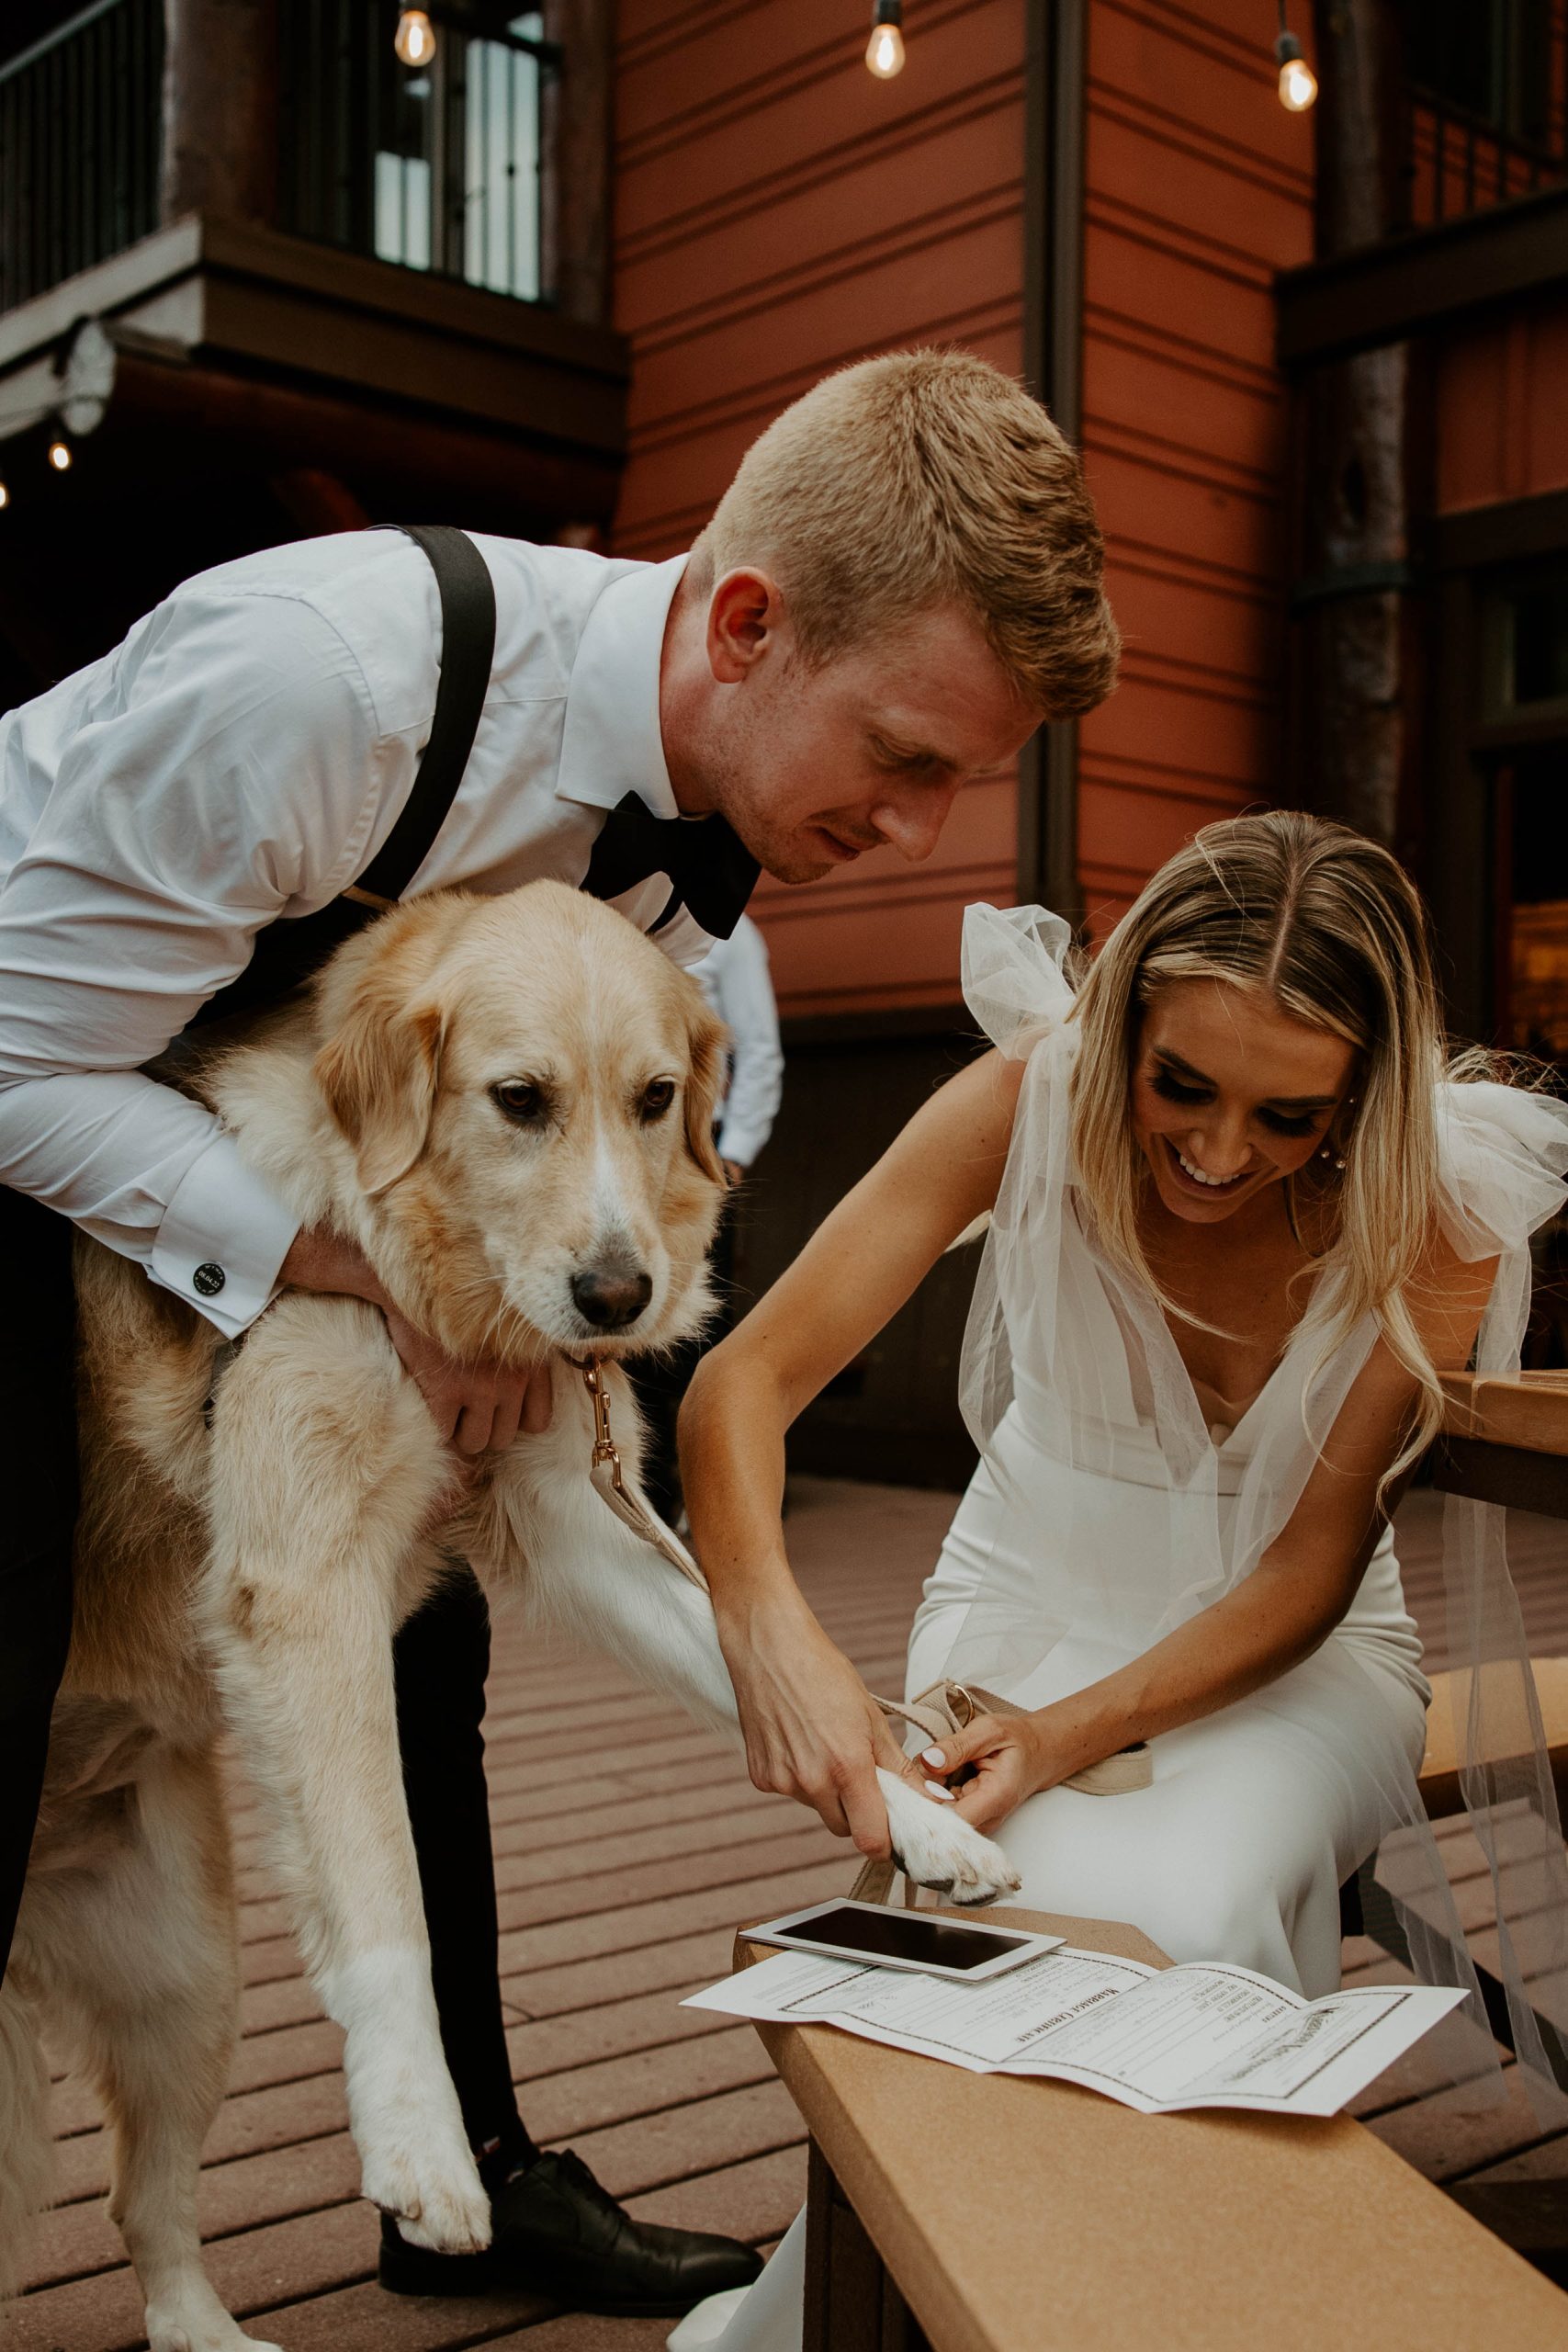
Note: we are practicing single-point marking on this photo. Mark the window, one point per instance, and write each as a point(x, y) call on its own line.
point(1525, 647)
point(1486, 59)
point(435, 167)
point(1525, 714)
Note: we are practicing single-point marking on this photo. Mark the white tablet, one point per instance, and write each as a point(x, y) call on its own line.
point(874, 1934)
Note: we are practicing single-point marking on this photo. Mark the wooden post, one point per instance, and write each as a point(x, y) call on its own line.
point(1055, 68)
point(1351, 670)
point(220, 108)
point(578, 124)
point(851, 2302)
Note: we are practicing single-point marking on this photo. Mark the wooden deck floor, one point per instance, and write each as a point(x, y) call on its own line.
point(629, 1847)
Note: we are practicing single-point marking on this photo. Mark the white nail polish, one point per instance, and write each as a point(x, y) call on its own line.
point(935, 1789)
point(932, 1756)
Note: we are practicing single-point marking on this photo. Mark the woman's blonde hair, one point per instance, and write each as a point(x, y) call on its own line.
point(1328, 925)
point(924, 478)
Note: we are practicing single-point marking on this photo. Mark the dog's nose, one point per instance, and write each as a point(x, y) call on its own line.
point(610, 1296)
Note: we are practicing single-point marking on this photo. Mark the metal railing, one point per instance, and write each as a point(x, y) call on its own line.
point(1488, 106)
point(436, 167)
point(80, 145)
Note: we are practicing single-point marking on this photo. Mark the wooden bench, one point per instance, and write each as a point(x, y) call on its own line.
point(1442, 1788)
point(958, 2212)
point(1503, 1441)
point(1506, 1441)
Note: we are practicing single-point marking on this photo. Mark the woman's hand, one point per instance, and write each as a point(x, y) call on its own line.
point(1001, 1759)
point(812, 1729)
point(478, 1406)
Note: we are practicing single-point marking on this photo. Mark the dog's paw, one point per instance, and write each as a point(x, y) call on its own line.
point(442, 2206)
point(417, 2165)
point(187, 2317)
point(938, 1848)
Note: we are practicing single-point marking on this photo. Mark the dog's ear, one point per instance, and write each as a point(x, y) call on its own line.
point(381, 1019)
point(379, 1071)
point(708, 1040)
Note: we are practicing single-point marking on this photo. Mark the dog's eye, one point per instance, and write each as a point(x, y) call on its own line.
point(519, 1100)
point(657, 1098)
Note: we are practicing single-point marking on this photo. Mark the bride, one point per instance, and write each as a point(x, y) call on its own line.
point(1241, 1219)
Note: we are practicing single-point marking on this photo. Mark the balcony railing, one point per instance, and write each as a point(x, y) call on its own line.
point(435, 167)
point(79, 145)
point(1487, 111)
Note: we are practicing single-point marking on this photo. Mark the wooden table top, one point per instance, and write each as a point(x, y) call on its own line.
point(1529, 1410)
point(1030, 2216)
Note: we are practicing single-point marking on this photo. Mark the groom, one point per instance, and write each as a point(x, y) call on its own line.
point(902, 581)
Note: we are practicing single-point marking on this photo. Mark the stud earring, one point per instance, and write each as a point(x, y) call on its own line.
point(1328, 1152)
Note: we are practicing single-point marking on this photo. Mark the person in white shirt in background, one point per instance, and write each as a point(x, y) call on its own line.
point(735, 978)
point(903, 580)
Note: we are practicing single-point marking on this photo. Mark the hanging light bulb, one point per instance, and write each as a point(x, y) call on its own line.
point(415, 38)
point(59, 455)
point(884, 49)
point(5, 495)
point(1298, 82)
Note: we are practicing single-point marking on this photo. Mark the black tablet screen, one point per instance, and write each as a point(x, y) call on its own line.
point(911, 1936)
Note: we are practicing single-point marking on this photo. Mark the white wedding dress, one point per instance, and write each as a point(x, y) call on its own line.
point(1112, 1502)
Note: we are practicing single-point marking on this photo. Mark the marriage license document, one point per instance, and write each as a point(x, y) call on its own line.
point(1200, 2035)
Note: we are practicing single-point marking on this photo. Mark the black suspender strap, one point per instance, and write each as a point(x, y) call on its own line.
point(467, 649)
point(284, 955)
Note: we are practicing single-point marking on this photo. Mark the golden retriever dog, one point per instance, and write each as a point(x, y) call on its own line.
point(508, 1103)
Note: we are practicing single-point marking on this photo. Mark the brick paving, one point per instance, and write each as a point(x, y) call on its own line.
point(629, 1847)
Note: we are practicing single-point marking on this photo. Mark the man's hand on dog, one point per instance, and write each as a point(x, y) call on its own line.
point(813, 1731)
point(478, 1408)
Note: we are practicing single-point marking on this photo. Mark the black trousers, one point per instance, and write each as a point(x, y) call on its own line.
point(442, 1657)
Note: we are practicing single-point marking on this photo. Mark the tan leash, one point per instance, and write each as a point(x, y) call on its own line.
point(623, 1496)
point(947, 1707)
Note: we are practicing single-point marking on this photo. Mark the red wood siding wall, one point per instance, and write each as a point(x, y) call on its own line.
point(780, 213)
point(1502, 411)
point(1199, 188)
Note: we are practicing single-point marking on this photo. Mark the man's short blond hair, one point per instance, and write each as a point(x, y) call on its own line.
point(918, 478)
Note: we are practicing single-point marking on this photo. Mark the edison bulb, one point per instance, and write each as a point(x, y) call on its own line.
point(415, 38)
point(1298, 85)
point(885, 51)
point(60, 456)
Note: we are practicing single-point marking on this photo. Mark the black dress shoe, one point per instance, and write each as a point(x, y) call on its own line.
point(558, 2234)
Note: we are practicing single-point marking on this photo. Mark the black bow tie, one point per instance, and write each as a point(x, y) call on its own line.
point(712, 873)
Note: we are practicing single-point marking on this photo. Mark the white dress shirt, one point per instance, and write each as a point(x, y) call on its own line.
point(738, 984)
point(238, 759)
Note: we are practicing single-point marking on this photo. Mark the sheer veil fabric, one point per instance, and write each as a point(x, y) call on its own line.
point(1069, 1366)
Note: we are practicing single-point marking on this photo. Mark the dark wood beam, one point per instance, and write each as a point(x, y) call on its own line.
point(1349, 660)
point(946, 1022)
point(220, 108)
point(578, 126)
point(226, 297)
point(1511, 532)
point(1423, 281)
point(1055, 79)
point(468, 475)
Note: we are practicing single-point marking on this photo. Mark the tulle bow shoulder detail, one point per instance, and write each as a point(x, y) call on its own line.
point(1014, 983)
point(1502, 1159)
